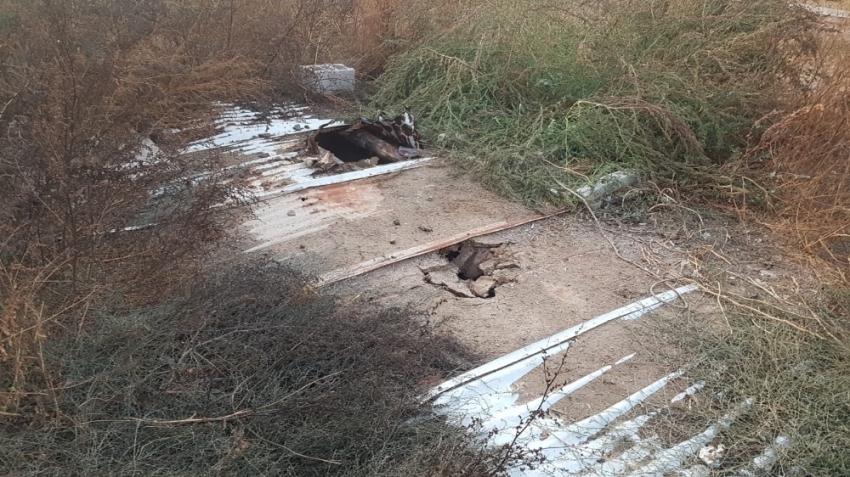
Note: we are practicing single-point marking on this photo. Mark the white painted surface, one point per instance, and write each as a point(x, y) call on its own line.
point(329, 78)
point(274, 136)
point(536, 352)
point(305, 181)
point(250, 132)
point(484, 401)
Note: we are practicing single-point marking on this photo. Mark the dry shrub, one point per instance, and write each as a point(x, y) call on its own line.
point(808, 158)
point(85, 87)
point(283, 35)
point(245, 372)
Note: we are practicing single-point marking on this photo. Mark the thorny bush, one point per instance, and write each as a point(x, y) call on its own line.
point(84, 87)
point(246, 372)
point(97, 99)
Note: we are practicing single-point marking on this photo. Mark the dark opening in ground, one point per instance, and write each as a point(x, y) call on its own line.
point(451, 253)
point(468, 256)
point(463, 275)
point(473, 269)
point(341, 147)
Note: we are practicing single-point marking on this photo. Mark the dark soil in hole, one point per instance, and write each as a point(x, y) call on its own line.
point(341, 147)
point(451, 253)
point(467, 257)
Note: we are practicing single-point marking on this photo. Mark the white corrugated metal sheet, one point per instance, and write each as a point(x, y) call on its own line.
point(484, 400)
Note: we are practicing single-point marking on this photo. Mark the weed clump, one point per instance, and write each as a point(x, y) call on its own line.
point(98, 101)
point(247, 372)
point(799, 385)
point(533, 96)
point(803, 158)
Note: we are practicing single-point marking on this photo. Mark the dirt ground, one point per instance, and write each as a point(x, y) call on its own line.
point(560, 271)
point(538, 279)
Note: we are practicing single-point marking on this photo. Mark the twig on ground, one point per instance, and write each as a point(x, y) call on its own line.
point(277, 444)
point(236, 415)
point(602, 232)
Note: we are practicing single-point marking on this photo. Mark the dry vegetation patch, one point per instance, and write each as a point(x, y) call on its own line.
point(740, 103)
point(97, 100)
point(244, 371)
point(102, 369)
point(806, 154)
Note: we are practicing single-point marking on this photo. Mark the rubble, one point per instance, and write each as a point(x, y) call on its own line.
point(367, 141)
point(327, 160)
point(479, 265)
point(469, 259)
point(488, 266)
point(401, 130)
point(508, 264)
point(450, 281)
point(483, 287)
point(505, 276)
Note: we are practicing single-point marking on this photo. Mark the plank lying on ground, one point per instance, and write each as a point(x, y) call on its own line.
point(395, 257)
point(344, 177)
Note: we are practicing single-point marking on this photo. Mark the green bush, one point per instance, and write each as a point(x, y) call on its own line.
point(530, 95)
point(800, 386)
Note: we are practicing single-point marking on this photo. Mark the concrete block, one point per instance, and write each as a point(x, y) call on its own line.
point(328, 78)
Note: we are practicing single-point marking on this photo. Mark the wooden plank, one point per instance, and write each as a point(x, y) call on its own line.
point(395, 257)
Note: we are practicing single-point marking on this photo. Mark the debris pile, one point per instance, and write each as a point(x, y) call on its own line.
point(474, 268)
point(365, 143)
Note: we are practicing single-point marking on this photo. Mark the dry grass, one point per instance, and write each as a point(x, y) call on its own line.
point(82, 85)
point(243, 372)
point(805, 154)
point(526, 92)
point(798, 383)
point(781, 338)
point(793, 360)
point(102, 371)
point(561, 90)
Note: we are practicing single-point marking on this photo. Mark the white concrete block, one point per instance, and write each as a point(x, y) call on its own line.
point(328, 78)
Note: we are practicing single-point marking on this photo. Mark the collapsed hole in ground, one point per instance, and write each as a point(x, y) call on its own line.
point(468, 257)
point(450, 253)
point(341, 147)
point(472, 269)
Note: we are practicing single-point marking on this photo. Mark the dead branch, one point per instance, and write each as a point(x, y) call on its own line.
point(230, 417)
